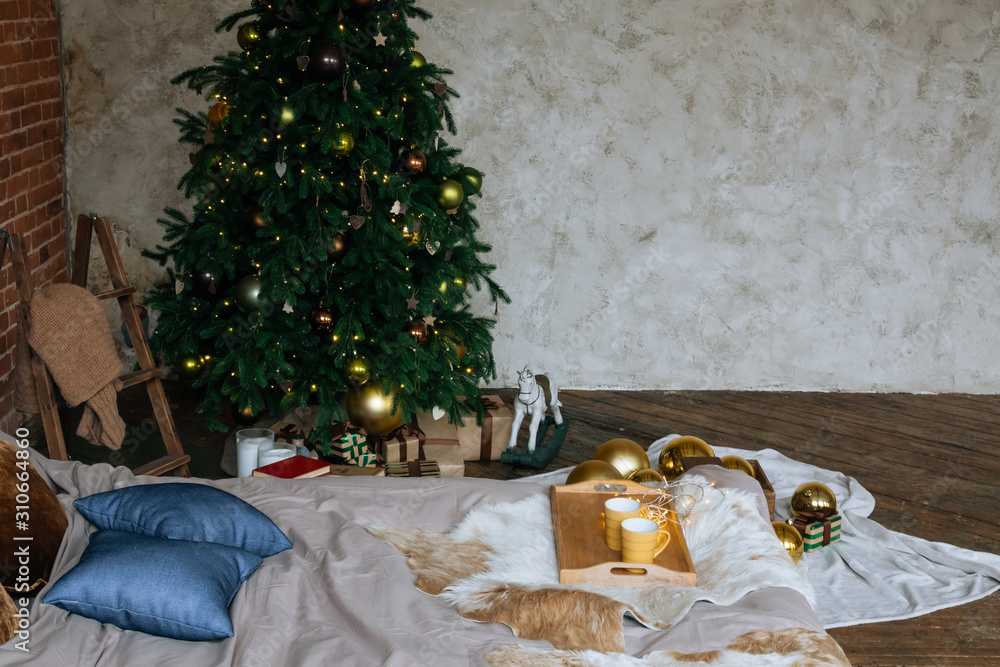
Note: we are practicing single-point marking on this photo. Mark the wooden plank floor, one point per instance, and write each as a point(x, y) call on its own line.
point(932, 463)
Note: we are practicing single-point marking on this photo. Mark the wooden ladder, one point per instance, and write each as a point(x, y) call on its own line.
point(175, 460)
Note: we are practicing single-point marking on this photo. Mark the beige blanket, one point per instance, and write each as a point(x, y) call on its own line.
point(341, 596)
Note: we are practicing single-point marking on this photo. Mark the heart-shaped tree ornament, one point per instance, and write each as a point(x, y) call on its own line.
point(437, 413)
point(280, 168)
point(303, 62)
point(357, 220)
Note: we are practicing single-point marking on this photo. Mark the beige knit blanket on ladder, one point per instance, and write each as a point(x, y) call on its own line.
point(70, 333)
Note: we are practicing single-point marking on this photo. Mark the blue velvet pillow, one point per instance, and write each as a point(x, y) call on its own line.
point(196, 512)
point(172, 588)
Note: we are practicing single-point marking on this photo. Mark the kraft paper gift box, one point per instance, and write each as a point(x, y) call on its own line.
point(349, 444)
point(291, 433)
point(816, 532)
point(489, 441)
point(413, 469)
point(356, 471)
point(424, 440)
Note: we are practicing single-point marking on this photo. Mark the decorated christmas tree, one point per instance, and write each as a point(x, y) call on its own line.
point(332, 242)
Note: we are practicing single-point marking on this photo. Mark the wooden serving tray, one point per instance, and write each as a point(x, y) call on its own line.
point(585, 558)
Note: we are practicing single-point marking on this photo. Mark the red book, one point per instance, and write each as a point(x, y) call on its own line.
point(296, 467)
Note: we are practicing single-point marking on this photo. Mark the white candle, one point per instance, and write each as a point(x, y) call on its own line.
point(273, 452)
point(248, 444)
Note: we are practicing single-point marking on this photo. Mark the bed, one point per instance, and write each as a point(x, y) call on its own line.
point(342, 595)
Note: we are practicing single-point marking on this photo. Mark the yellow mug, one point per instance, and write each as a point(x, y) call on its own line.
point(642, 540)
point(617, 510)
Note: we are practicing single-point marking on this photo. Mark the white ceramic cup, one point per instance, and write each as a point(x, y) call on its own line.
point(274, 452)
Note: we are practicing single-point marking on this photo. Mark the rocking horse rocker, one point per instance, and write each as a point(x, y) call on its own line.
point(534, 393)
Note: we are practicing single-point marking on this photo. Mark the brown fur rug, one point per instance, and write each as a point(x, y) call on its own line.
point(498, 566)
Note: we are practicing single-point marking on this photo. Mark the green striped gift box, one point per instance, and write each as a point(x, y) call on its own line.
point(413, 469)
point(813, 537)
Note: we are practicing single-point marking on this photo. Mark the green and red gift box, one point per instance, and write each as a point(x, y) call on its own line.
point(817, 531)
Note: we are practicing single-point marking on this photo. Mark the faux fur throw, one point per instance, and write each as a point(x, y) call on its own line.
point(70, 333)
point(499, 565)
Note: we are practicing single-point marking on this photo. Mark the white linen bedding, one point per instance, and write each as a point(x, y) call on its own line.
point(340, 596)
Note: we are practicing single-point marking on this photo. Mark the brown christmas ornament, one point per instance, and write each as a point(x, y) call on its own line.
point(256, 219)
point(370, 405)
point(243, 416)
point(337, 248)
point(413, 163)
point(248, 36)
point(321, 320)
point(326, 61)
point(418, 329)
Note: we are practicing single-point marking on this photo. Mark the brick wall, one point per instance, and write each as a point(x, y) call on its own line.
point(31, 155)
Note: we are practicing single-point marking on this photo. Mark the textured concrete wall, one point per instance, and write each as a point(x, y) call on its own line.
point(681, 193)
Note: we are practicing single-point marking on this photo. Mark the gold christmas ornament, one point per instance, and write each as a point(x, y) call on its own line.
point(356, 370)
point(737, 463)
point(686, 445)
point(371, 406)
point(189, 366)
point(450, 194)
point(814, 497)
point(471, 180)
point(218, 112)
point(645, 475)
point(343, 143)
point(789, 538)
point(248, 36)
point(408, 226)
point(256, 219)
point(418, 59)
point(589, 470)
point(625, 455)
point(337, 248)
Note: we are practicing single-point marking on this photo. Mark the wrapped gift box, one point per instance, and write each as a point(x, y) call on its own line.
point(349, 444)
point(413, 469)
point(293, 434)
point(818, 533)
point(355, 471)
point(425, 440)
point(489, 441)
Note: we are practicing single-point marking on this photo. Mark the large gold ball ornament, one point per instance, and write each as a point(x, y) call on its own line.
point(625, 455)
point(248, 36)
point(218, 112)
point(343, 143)
point(737, 463)
point(790, 538)
point(686, 445)
point(645, 475)
point(593, 470)
point(418, 59)
point(450, 194)
point(357, 370)
point(814, 497)
point(371, 406)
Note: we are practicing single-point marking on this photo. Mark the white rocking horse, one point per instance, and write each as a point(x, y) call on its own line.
point(534, 392)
